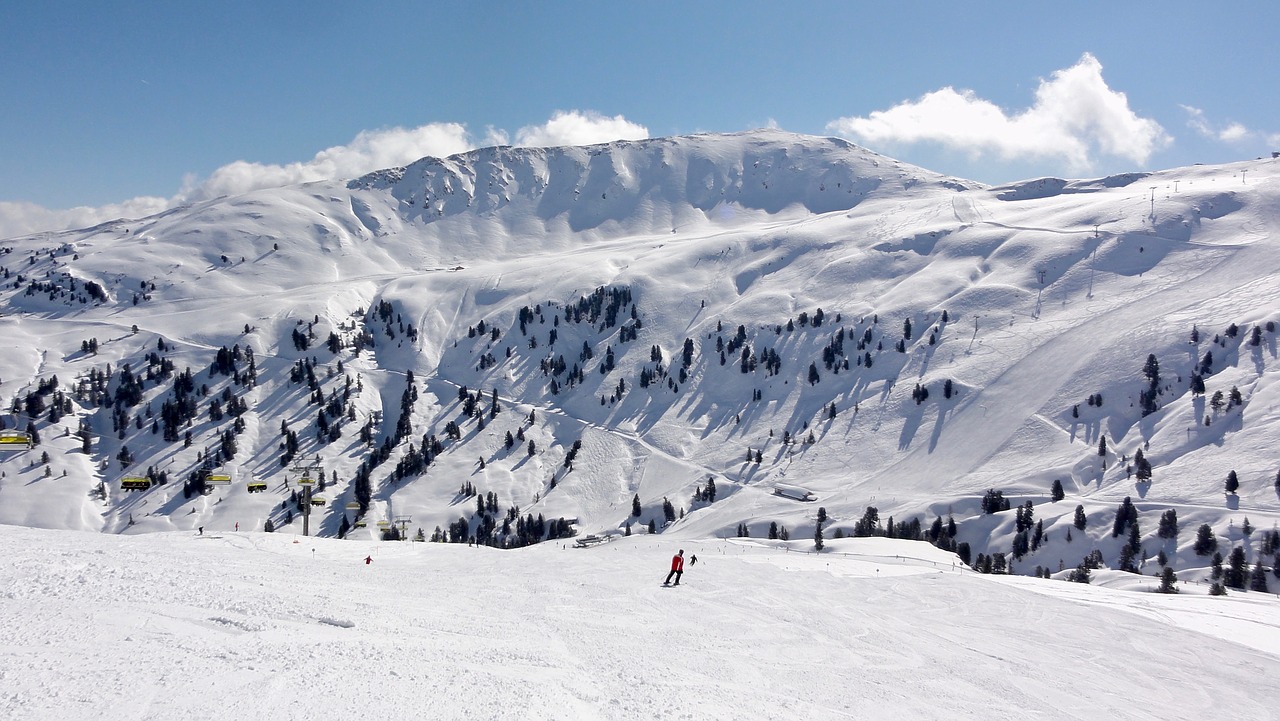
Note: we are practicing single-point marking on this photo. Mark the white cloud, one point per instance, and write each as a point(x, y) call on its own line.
point(1197, 122)
point(1233, 132)
point(579, 128)
point(1074, 118)
point(1230, 133)
point(368, 151)
point(22, 218)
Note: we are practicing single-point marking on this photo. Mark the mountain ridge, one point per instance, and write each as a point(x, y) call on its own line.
point(1023, 300)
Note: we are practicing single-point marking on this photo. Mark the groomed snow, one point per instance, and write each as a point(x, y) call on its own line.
point(273, 626)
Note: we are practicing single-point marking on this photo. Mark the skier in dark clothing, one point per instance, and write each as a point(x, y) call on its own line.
point(693, 560)
point(677, 569)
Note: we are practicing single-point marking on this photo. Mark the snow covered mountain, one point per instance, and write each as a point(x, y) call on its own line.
point(649, 316)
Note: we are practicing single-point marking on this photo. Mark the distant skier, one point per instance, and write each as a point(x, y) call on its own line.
point(368, 560)
point(693, 560)
point(202, 530)
point(677, 569)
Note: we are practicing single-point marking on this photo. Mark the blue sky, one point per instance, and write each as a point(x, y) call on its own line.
point(129, 106)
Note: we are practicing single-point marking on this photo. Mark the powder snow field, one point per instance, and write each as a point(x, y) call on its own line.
point(252, 625)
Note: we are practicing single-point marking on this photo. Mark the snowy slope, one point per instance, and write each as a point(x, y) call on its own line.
point(1053, 290)
point(231, 625)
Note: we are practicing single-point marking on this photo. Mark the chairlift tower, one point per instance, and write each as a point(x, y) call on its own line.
point(305, 481)
point(403, 522)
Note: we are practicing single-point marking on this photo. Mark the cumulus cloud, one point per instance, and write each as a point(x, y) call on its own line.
point(368, 151)
point(1074, 118)
point(579, 128)
point(1230, 133)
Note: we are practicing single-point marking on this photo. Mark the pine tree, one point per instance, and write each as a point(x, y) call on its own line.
point(1233, 482)
point(1258, 578)
point(1126, 560)
point(1206, 542)
point(635, 505)
point(1168, 581)
point(1141, 466)
point(1125, 515)
point(1021, 545)
point(1080, 519)
point(817, 537)
point(1057, 493)
point(1102, 446)
point(1081, 574)
point(1234, 575)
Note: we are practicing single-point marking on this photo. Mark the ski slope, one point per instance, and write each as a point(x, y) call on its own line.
point(234, 625)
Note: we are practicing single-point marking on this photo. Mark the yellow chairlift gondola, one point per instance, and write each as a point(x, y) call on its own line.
point(218, 478)
point(306, 481)
point(353, 505)
point(135, 483)
point(318, 501)
point(359, 524)
point(384, 525)
point(256, 486)
point(11, 440)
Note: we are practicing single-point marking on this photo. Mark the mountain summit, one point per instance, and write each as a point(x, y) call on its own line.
point(655, 184)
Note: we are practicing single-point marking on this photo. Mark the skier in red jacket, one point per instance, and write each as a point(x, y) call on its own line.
point(677, 569)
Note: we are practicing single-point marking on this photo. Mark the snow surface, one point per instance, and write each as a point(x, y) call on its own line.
point(252, 625)
point(1055, 290)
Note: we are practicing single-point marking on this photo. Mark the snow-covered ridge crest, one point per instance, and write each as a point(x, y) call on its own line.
point(766, 170)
